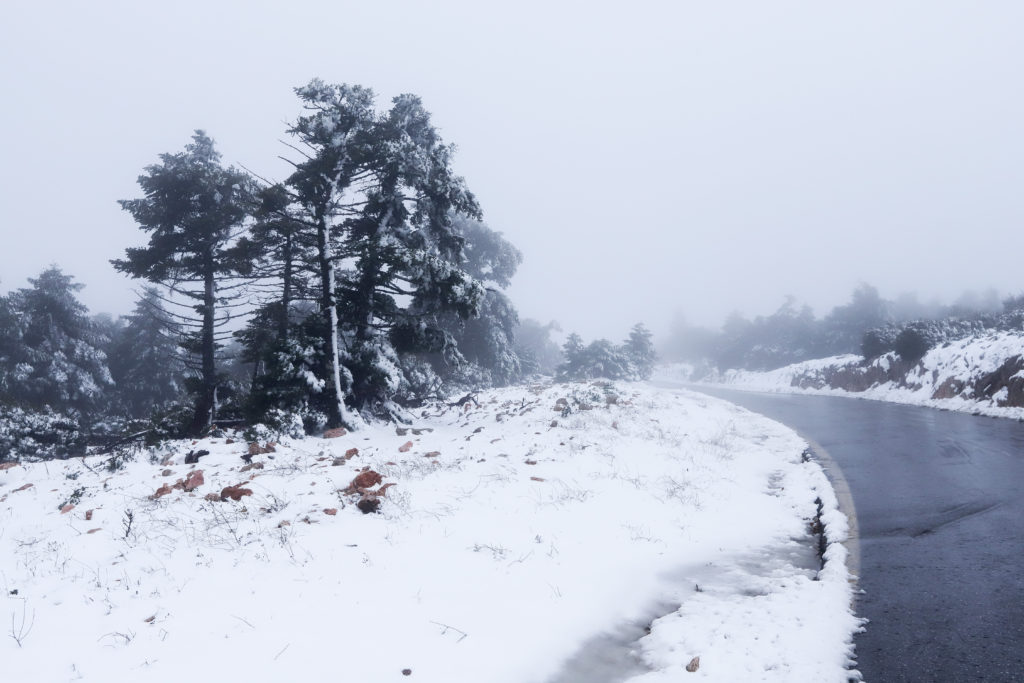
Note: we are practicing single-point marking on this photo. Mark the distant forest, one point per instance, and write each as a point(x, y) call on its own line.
point(868, 325)
point(357, 288)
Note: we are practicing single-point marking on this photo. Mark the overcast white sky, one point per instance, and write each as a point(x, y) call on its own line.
point(647, 157)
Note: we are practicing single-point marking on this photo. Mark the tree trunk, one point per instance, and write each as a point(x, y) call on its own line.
point(286, 295)
point(206, 401)
point(331, 366)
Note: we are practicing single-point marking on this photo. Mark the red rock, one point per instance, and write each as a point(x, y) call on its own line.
point(537, 478)
point(160, 492)
point(404, 448)
point(67, 508)
point(335, 433)
point(194, 480)
point(92, 531)
point(212, 497)
point(351, 453)
point(23, 488)
point(234, 492)
point(365, 480)
point(331, 511)
point(88, 515)
point(432, 454)
point(8, 465)
point(693, 665)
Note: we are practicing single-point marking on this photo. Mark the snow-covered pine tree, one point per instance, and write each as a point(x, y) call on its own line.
point(326, 190)
point(407, 252)
point(13, 353)
point(146, 361)
point(59, 362)
point(485, 343)
point(194, 210)
point(639, 350)
point(379, 192)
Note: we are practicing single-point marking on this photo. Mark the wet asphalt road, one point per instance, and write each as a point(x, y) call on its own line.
point(941, 513)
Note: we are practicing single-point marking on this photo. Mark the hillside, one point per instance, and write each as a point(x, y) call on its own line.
point(500, 538)
point(981, 374)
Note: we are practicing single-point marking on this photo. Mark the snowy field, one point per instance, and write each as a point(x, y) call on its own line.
point(551, 533)
point(946, 378)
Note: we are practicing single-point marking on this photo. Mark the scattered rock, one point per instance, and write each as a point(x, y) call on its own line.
point(693, 665)
point(193, 456)
point(212, 497)
point(194, 481)
point(88, 515)
point(23, 488)
point(160, 492)
point(407, 672)
point(8, 465)
point(234, 492)
point(67, 508)
point(331, 511)
point(229, 441)
point(554, 423)
point(338, 462)
point(351, 453)
point(561, 404)
point(256, 449)
point(92, 531)
point(531, 462)
point(251, 466)
point(537, 478)
point(368, 505)
point(422, 430)
point(404, 448)
point(401, 431)
point(283, 524)
point(166, 473)
point(365, 480)
point(335, 433)
point(432, 454)
point(149, 620)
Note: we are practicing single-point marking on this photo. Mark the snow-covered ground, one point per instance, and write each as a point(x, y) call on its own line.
point(974, 375)
point(513, 542)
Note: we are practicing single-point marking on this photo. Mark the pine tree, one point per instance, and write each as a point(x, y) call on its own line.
point(146, 361)
point(379, 193)
point(483, 346)
point(59, 362)
point(194, 209)
point(639, 349)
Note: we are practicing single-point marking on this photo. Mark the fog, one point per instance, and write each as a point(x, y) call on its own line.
point(658, 160)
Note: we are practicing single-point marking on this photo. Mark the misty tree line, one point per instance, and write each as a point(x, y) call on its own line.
point(358, 287)
point(868, 325)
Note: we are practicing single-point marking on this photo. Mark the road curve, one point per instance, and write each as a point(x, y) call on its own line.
point(941, 516)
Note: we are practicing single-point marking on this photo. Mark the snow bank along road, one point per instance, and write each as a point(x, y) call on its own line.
point(941, 512)
point(511, 532)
